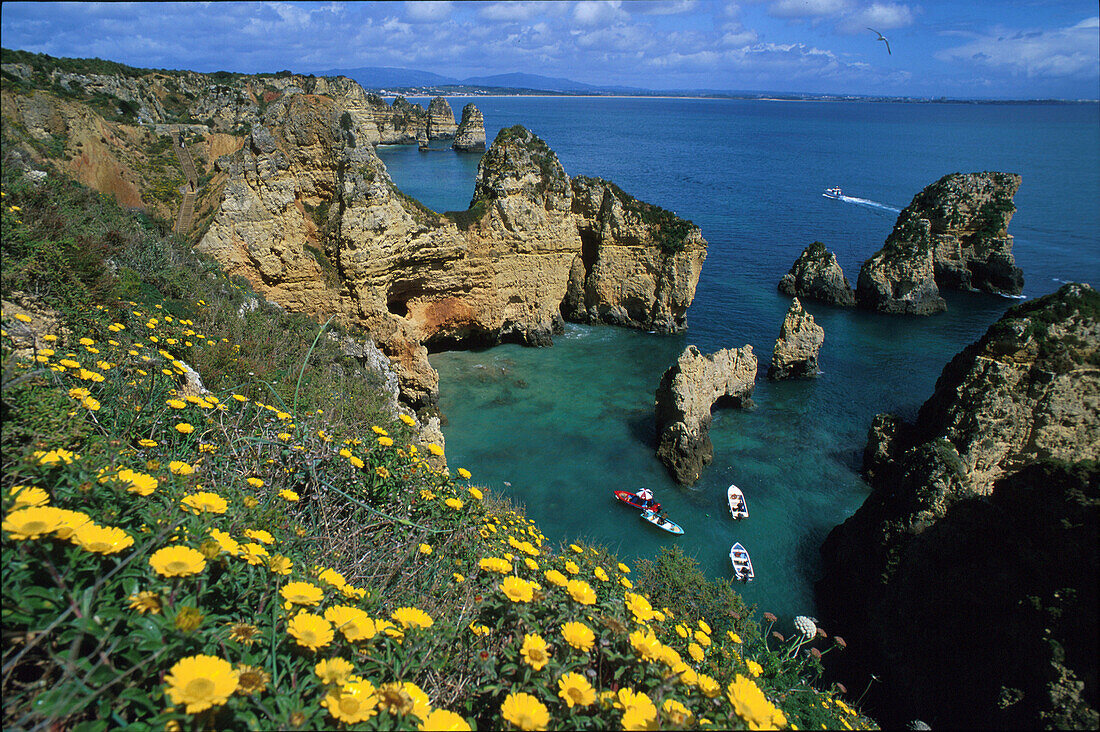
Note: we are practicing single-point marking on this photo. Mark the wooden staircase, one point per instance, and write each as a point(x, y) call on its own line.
point(190, 190)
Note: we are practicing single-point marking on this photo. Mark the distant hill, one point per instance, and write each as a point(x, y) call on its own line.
point(388, 77)
point(377, 77)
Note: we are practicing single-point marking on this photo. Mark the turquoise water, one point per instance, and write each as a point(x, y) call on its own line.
point(559, 428)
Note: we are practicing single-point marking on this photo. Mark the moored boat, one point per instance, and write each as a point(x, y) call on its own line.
point(742, 565)
point(661, 522)
point(639, 500)
point(738, 508)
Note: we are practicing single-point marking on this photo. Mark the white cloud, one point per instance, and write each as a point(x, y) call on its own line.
point(880, 16)
point(511, 11)
point(662, 7)
point(623, 38)
point(738, 38)
point(1063, 52)
point(590, 12)
point(427, 12)
point(807, 8)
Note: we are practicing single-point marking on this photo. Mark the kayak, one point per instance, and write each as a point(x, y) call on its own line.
point(632, 499)
point(662, 523)
point(738, 508)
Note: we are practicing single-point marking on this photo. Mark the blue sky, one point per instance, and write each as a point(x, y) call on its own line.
point(977, 48)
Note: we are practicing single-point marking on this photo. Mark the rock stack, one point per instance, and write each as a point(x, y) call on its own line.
point(795, 352)
point(953, 235)
point(441, 120)
point(688, 391)
point(816, 274)
point(470, 136)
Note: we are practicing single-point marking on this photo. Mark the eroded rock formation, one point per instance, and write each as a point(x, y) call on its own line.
point(299, 204)
point(316, 224)
point(954, 235)
point(470, 136)
point(962, 532)
point(638, 264)
point(688, 391)
point(796, 349)
point(441, 120)
point(816, 274)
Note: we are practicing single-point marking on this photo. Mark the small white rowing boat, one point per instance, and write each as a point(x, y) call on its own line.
point(742, 565)
point(738, 508)
point(662, 523)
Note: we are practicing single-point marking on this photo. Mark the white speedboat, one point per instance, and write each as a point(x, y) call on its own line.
point(742, 565)
point(833, 193)
point(738, 508)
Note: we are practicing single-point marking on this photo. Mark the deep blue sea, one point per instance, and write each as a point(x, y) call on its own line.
point(557, 429)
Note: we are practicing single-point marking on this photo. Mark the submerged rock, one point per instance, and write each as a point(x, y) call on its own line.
point(796, 349)
point(688, 391)
point(953, 235)
point(963, 531)
point(470, 136)
point(816, 274)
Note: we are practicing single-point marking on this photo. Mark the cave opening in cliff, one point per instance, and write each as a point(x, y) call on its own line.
point(727, 401)
point(399, 295)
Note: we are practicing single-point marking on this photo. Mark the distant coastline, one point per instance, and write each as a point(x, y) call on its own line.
point(544, 94)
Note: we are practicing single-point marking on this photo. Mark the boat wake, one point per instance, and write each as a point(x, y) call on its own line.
point(867, 202)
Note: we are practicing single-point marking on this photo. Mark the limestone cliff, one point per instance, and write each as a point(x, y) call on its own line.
point(796, 349)
point(638, 263)
point(294, 198)
point(688, 391)
point(936, 524)
point(954, 234)
point(413, 278)
point(470, 136)
point(816, 274)
point(441, 120)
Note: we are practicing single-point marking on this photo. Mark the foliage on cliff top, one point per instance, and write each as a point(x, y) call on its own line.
point(44, 63)
point(497, 161)
point(1025, 331)
point(235, 560)
point(669, 230)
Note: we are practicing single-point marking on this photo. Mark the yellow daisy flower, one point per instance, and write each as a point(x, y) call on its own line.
point(200, 682)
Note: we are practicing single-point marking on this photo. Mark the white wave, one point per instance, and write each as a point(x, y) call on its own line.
point(868, 202)
point(1013, 297)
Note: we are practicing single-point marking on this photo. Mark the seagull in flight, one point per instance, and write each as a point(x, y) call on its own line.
point(883, 39)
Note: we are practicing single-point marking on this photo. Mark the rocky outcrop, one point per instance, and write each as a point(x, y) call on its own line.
point(953, 235)
point(316, 224)
point(796, 349)
point(441, 120)
point(962, 528)
point(470, 136)
point(900, 278)
point(638, 263)
point(300, 205)
point(816, 274)
point(688, 391)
